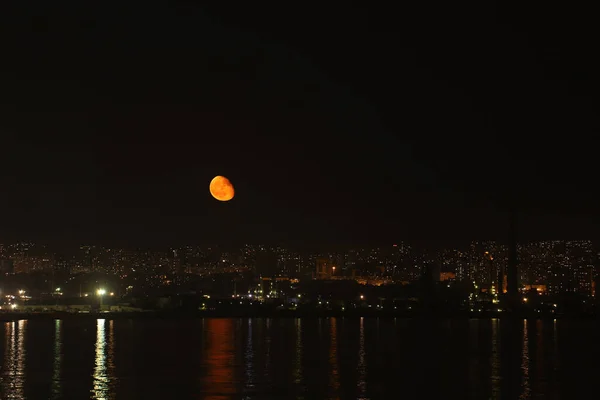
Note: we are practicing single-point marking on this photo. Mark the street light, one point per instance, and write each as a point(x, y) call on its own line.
point(101, 292)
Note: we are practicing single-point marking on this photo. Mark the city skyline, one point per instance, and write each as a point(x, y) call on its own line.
point(552, 264)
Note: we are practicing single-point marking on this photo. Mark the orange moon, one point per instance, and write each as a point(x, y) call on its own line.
point(221, 189)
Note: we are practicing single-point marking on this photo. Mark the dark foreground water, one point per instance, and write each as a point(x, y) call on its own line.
point(329, 358)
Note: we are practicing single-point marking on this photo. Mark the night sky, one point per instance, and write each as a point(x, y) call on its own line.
point(346, 125)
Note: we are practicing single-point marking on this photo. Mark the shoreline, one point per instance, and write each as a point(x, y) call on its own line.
point(9, 317)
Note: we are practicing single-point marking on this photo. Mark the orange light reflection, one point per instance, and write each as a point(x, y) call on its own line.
point(218, 383)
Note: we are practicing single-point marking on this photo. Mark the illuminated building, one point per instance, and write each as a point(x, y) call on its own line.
point(447, 276)
point(88, 258)
point(538, 288)
point(325, 269)
point(571, 267)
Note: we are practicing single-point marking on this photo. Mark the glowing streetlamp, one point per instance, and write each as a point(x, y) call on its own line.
point(101, 292)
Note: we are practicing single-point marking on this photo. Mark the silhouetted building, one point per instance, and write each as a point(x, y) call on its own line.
point(435, 269)
point(291, 267)
point(500, 279)
point(266, 264)
point(340, 264)
point(512, 283)
point(63, 266)
point(88, 258)
point(7, 267)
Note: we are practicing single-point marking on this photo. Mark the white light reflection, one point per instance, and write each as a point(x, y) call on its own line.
point(298, 369)
point(249, 356)
point(555, 339)
point(14, 384)
point(495, 360)
point(56, 386)
point(101, 383)
point(526, 392)
point(111, 351)
point(268, 351)
point(362, 368)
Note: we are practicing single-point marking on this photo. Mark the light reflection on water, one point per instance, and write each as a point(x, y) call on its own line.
point(540, 359)
point(526, 392)
point(334, 382)
point(362, 364)
point(104, 362)
point(473, 360)
point(298, 362)
point(56, 388)
point(13, 370)
point(100, 378)
point(495, 360)
point(249, 359)
point(294, 358)
point(268, 342)
point(556, 358)
point(219, 382)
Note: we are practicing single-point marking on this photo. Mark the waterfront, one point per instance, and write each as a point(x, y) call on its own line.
point(317, 358)
point(276, 314)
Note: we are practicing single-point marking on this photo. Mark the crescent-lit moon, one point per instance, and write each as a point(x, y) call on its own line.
point(221, 189)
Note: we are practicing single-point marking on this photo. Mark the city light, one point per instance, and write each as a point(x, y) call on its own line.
point(546, 269)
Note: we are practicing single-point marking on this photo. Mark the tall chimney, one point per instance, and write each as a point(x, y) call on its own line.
point(511, 273)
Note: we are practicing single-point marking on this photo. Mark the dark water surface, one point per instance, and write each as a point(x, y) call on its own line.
point(328, 358)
